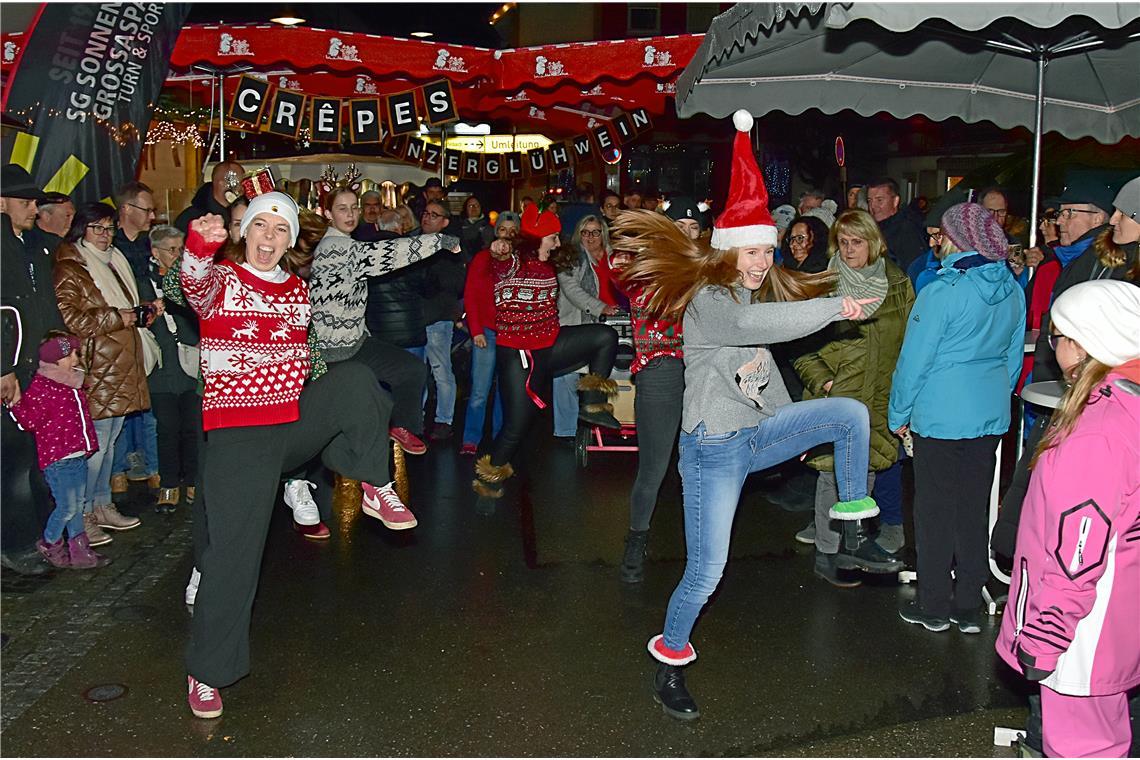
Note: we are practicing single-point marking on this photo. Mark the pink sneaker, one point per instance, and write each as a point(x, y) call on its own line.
point(407, 440)
point(205, 701)
point(385, 506)
point(469, 449)
point(318, 532)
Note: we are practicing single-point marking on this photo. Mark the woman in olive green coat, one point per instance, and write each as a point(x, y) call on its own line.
point(857, 362)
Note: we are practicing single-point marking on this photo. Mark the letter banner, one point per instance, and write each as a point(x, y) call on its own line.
point(641, 121)
point(324, 124)
point(471, 166)
point(364, 126)
point(433, 154)
point(440, 102)
point(514, 165)
point(249, 101)
point(536, 162)
point(452, 162)
point(559, 156)
point(414, 150)
point(286, 113)
point(492, 166)
point(85, 82)
point(402, 118)
point(583, 149)
point(624, 129)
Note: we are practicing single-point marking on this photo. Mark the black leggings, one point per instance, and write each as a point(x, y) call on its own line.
point(657, 410)
point(594, 345)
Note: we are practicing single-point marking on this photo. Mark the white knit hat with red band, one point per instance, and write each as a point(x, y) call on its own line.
point(745, 221)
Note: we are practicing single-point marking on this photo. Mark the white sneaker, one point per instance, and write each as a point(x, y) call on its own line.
point(300, 500)
point(192, 586)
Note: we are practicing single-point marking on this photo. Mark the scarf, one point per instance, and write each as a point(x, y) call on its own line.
point(868, 282)
point(1067, 253)
point(113, 276)
point(72, 378)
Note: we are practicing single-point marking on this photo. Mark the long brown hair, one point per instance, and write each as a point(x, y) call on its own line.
point(673, 268)
point(1089, 374)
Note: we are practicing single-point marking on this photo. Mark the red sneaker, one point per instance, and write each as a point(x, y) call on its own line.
point(205, 701)
point(385, 506)
point(469, 449)
point(318, 532)
point(407, 440)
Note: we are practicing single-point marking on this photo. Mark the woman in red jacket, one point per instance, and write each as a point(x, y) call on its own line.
point(531, 348)
point(479, 301)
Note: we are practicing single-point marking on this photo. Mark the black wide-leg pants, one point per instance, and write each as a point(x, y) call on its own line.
point(341, 416)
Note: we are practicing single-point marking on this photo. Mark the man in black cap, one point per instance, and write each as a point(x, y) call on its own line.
point(1086, 204)
point(27, 310)
point(53, 220)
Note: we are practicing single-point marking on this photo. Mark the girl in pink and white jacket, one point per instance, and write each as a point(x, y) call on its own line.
point(54, 409)
point(1073, 618)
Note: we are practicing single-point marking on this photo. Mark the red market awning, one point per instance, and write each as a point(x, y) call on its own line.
point(560, 88)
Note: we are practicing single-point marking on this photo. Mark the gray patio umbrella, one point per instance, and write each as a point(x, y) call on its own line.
point(1072, 68)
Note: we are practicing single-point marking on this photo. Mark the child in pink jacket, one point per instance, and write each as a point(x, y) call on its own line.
point(54, 409)
point(1073, 617)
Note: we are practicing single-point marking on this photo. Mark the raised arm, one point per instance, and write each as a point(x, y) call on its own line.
point(386, 256)
point(728, 323)
point(201, 279)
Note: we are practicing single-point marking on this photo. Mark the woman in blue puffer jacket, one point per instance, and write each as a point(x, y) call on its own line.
point(960, 360)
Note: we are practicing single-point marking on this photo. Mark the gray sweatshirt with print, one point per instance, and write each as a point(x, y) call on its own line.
point(721, 336)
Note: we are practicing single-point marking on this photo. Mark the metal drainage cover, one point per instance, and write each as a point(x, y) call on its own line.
point(106, 692)
point(133, 613)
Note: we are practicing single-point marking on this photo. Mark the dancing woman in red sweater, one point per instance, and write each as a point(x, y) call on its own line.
point(531, 348)
point(263, 416)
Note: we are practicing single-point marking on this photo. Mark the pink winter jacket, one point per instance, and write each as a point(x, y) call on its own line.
point(58, 417)
point(1074, 600)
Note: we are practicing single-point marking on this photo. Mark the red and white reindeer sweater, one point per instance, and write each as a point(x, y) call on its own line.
point(254, 349)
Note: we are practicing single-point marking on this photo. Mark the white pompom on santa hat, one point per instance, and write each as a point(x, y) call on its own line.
point(745, 221)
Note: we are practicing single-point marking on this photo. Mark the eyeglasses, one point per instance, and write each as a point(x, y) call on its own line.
point(433, 215)
point(798, 239)
point(1054, 339)
point(591, 233)
point(144, 209)
point(998, 213)
point(99, 229)
point(167, 248)
point(935, 237)
point(1067, 213)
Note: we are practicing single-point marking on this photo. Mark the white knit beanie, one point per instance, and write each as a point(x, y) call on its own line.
point(1104, 317)
point(276, 203)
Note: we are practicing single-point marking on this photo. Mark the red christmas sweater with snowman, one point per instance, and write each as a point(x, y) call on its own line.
point(254, 339)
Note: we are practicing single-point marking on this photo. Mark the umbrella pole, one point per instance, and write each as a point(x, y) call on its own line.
point(1037, 121)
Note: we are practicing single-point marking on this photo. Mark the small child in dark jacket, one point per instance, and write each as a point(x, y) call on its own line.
point(54, 409)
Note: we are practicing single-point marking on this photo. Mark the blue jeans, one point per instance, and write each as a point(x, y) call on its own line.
point(566, 404)
point(482, 377)
point(99, 464)
point(140, 433)
point(67, 480)
point(439, 359)
point(713, 469)
point(888, 492)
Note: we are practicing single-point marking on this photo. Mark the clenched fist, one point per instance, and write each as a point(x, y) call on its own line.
point(211, 227)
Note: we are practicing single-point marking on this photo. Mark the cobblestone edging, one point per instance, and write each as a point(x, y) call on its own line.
point(53, 623)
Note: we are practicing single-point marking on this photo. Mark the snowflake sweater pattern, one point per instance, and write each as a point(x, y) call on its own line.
point(526, 303)
point(339, 290)
point(254, 346)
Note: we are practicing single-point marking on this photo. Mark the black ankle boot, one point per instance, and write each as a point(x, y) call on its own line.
point(633, 563)
point(670, 692)
point(594, 407)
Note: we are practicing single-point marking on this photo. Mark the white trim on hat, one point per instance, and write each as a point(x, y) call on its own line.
point(278, 204)
point(724, 238)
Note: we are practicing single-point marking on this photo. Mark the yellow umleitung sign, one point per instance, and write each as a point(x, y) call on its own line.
point(494, 143)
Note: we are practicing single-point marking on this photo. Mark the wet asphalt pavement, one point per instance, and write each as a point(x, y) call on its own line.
point(504, 634)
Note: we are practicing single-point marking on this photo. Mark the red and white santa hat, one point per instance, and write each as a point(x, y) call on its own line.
point(745, 220)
